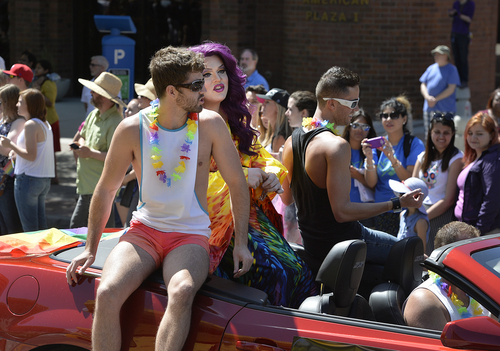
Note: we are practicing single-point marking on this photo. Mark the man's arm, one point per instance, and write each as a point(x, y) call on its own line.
point(450, 89)
point(337, 156)
point(120, 156)
point(228, 162)
point(424, 310)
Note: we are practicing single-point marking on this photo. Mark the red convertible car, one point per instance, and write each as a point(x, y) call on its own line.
point(40, 311)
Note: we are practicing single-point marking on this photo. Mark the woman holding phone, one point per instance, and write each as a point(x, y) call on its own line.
point(398, 156)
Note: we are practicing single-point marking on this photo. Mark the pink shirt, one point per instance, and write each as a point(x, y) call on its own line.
point(461, 184)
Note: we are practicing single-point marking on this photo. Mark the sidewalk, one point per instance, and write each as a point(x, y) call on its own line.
point(61, 199)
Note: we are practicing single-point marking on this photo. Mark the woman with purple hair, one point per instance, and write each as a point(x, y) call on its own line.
point(277, 270)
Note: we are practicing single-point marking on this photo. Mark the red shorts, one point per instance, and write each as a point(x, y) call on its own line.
point(157, 243)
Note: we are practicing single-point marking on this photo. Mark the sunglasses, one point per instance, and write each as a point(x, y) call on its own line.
point(348, 103)
point(392, 115)
point(439, 116)
point(94, 64)
point(194, 86)
point(362, 126)
point(11, 76)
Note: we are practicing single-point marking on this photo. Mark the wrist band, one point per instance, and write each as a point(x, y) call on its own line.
point(396, 204)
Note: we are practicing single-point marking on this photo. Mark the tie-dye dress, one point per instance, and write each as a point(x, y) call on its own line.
point(277, 270)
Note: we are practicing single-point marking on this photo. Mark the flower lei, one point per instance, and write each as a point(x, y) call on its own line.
point(311, 123)
point(464, 313)
point(156, 151)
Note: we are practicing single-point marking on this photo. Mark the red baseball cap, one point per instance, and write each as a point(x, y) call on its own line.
point(20, 70)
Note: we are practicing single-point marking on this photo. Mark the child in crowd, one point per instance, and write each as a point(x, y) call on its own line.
point(413, 221)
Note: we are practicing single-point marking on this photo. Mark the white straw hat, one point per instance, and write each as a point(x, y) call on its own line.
point(107, 85)
point(146, 90)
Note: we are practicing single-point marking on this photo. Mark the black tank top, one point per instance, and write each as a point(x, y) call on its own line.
point(318, 226)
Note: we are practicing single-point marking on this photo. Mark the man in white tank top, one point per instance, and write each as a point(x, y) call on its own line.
point(170, 145)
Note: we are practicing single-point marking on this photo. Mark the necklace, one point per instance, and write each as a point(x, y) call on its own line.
point(311, 123)
point(156, 151)
point(464, 313)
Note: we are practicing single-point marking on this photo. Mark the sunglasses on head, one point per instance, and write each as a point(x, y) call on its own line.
point(392, 115)
point(439, 116)
point(194, 86)
point(362, 126)
point(348, 103)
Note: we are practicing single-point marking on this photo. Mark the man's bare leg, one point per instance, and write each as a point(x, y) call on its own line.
point(184, 271)
point(126, 267)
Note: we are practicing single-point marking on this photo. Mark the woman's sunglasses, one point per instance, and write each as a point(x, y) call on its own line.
point(439, 116)
point(392, 115)
point(362, 126)
point(194, 86)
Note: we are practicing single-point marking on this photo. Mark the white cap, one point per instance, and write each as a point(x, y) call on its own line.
point(409, 185)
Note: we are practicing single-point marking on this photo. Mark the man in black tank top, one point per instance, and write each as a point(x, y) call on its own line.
point(318, 163)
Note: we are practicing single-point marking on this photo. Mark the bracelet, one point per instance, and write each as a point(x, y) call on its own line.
point(396, 204)
point(398, 164)
point(369, 168)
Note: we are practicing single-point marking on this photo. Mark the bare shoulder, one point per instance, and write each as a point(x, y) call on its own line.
point(128, 131)
point(424, 309)
point(330, 145)
point(210, 119)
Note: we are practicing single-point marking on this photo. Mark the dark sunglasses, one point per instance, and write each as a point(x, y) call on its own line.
point(94, 64)
point(194, 86)
point(439, 116)
point(393, 115)
point(362, 126)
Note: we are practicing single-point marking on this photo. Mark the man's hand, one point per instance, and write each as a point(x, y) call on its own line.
point(412, 199)
point(83, 152)
point(431, 101)
point(271, 183)
point(242, 255)
point(85, 259)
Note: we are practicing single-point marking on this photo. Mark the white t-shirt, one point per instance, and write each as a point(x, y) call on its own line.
point(435, 178)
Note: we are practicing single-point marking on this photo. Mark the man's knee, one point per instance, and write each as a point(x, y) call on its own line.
point(109, 297)
point(182, 289)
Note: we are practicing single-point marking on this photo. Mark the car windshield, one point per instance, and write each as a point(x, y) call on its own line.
point(490, 259)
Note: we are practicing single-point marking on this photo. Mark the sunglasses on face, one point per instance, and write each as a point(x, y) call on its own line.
point(194, 86)
point(392, 115)
point(11, 76)
point(439, 116)
point(94, 64)
point(348, 103)
point(362, 126)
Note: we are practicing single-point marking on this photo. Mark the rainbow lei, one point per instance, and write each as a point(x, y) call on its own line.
point(311, 123)
point(156, 151)
point(464, 313)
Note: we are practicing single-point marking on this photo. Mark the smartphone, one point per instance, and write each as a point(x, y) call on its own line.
point(376, 142)
point(74, 146)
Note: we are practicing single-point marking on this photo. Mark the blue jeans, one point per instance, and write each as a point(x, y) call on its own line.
point(9, 217)
point(378, 245)
point(30, 193)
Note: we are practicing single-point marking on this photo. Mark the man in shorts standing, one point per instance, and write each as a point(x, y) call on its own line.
point(169, 145)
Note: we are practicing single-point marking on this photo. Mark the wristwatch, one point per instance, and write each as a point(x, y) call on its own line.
point(396, 204)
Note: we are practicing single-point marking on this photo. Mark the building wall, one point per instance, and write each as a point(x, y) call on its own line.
point(45, 28)
point(387, 43)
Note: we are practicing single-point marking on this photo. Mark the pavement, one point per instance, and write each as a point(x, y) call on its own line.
point(61, 199)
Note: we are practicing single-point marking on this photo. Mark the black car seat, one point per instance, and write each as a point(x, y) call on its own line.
point(341, 273)
point(403, 272)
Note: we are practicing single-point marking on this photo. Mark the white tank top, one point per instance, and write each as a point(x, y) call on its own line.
point(43, 165)
point(168, 201)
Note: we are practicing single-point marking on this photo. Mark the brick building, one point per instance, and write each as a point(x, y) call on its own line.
point(387, 42)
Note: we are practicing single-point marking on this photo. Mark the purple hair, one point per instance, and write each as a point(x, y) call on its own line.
point(234, 105)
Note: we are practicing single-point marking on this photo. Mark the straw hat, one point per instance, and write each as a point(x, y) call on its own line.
point(107, 85)
point(146, 90)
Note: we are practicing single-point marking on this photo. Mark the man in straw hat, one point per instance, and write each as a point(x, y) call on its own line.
point(93, 142)
point(145, 93)
point(170, 145)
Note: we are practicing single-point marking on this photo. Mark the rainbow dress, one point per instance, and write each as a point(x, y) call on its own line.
point(277, 270)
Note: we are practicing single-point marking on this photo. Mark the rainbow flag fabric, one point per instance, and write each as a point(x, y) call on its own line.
point(9, 168)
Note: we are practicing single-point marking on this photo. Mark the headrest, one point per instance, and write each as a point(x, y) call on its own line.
point(342, 269)
point(403, 263)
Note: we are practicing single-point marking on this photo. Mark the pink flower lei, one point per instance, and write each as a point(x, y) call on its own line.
point(184, 149)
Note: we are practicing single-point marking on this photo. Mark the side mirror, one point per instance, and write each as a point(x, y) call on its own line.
point(476, 333)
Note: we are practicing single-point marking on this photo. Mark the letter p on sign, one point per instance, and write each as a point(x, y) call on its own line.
point(119, 54)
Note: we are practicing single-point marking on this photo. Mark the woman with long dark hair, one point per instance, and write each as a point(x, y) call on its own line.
point(11, 125)
point(439, 167)
point(34, 161)
point(479, 190)
point(276, 269)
